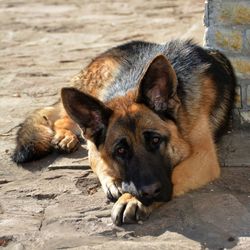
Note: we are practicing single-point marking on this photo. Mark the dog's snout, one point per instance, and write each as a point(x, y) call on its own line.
point(151, 191)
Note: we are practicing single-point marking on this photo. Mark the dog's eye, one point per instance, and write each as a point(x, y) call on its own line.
point(152, 140)
point(121, 149)
point(155, 140)
point(121, 152)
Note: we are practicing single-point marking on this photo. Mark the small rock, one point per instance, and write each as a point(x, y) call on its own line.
point(230, 239)
point(16, 95)
point(18, 246)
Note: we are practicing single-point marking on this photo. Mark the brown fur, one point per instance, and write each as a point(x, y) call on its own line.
point(98, 74)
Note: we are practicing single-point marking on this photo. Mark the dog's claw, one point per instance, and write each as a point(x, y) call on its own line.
point(117, 214)
point(113, 191)
point(129, 210)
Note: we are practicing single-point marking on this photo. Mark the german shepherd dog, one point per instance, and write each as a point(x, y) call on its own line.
point(150, 114)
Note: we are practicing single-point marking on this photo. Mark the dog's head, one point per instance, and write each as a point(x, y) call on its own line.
point(136, 134)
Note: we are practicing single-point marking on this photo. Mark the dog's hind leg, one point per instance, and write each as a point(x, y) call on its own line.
point(65, 138)
point(42, 131)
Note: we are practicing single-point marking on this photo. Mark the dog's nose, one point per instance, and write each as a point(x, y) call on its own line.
point(151, 191)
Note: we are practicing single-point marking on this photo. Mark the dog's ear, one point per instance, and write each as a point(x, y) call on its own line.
point(158, 85)
point(89, 113)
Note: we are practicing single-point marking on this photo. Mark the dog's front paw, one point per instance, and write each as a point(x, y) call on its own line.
point(129, 210)
point(65, 141)
point(112, 188)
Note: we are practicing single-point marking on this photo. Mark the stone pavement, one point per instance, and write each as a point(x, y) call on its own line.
point(57, 203)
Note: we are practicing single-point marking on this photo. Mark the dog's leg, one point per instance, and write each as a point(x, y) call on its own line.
point(65, 138)
point(130, 210)
point(108, 176)
point(201, 166)
point(44, 130)
point(111, 183)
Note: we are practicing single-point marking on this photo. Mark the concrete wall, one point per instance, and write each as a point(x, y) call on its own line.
point(228, 29)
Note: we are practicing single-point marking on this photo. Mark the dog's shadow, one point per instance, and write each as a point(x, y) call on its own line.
point(215, 216)
point(59, 160)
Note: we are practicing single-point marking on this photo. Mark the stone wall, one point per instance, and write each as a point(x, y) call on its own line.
point(228, 29)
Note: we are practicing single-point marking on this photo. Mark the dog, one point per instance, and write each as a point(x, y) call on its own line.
point(151, 115)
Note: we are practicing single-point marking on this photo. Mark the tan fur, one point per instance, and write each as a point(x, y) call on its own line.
point(202, 165)
point(107, 173)
point(99, 73)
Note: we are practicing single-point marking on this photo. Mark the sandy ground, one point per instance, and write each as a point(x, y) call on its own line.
point(56, 203)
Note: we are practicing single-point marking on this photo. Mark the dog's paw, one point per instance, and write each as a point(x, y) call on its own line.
point(65, 141)
point(129, 210)
point(112, 189)
point(179, 190)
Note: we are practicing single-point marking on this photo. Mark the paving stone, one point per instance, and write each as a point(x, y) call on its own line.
point(57, 202)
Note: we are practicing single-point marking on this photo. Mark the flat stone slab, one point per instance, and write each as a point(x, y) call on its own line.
point(57, 202)
point(234, 148)
point(66, 208)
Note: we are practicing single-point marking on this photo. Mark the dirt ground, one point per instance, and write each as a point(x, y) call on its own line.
point(57, 203)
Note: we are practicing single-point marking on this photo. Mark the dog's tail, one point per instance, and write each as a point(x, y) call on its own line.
point(34, 137)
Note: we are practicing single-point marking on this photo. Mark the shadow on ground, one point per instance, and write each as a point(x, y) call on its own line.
point(57, 160)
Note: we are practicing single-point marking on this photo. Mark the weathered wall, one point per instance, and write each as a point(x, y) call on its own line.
point(228, 29)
